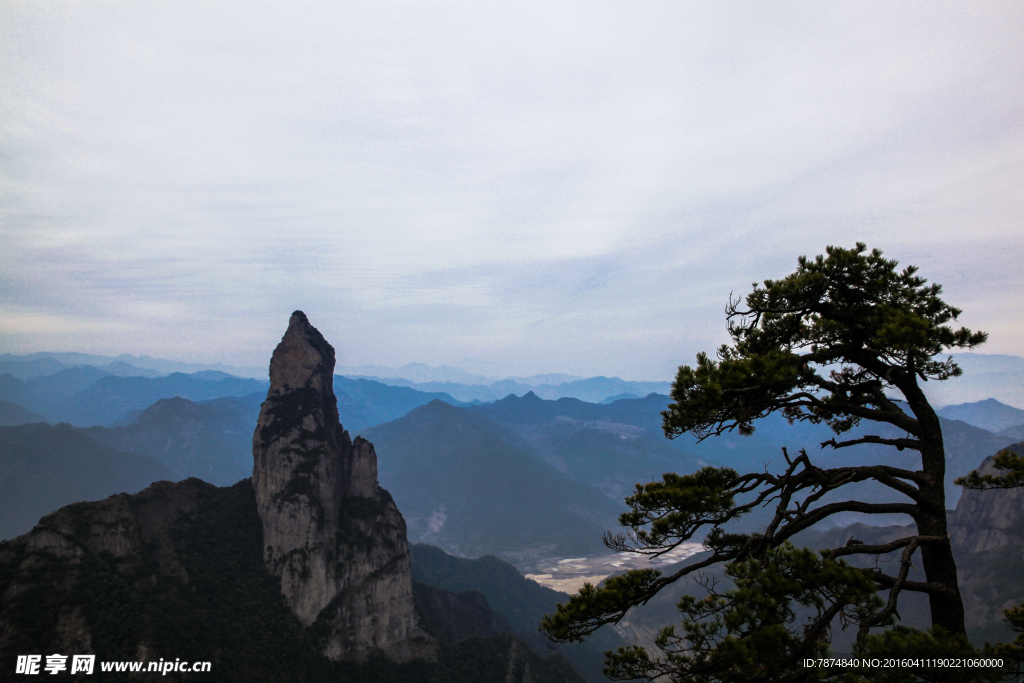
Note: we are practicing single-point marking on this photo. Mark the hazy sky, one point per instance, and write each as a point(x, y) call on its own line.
point(546, 187)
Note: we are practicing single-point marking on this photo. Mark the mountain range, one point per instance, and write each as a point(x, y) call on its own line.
point(211, 440)
point(989, 414)
point(592, 389)
point(43, 468)
point(301, 573)
point(509, 482)
point(985, 375)
point(473, 487)
point(603, 448)
point(47, 363)
point(12, 414)
point(87, 396)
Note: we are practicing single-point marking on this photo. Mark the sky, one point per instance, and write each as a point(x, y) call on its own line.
point(517, 188)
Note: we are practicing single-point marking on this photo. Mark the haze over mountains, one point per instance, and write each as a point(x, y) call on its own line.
point(985, 376)
point(471, 486)
point(592, 389)
point(200, 425)
point(125, 365)
point(310, 552)
point(12, 414)
point(989, 414)
point(86, 396)
point(43, 468)
point(525, 477)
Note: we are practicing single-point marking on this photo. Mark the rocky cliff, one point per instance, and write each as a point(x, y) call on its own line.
point(331, 534)
point(987, 530)
point(985, 521)
point(176, 572)
point(301, 574)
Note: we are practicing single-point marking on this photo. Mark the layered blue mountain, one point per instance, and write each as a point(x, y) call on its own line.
point(989, 414)
point(546, 425)
point(364, 403)
point(609, 447)
point(124, 365)
point(12, 414)
point(985, 375)
point(469, 485)
point(591, 389)
point(211, 440)
point(44, 467)
point(87, 396)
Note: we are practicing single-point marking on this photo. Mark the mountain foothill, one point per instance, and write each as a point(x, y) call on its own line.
point(486, 490)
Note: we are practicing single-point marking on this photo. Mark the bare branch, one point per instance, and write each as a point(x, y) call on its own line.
point(860, 548)
point(815, 516)
point(900, 444)
point(886, 581)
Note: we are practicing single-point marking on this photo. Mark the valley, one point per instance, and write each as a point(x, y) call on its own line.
point(567, 575)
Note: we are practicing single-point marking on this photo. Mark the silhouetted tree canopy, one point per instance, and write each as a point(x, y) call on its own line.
point(846, 340)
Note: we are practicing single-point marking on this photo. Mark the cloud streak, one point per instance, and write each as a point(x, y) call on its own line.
point(573, 188)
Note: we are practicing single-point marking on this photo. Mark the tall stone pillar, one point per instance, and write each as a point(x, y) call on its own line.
point(331, 534)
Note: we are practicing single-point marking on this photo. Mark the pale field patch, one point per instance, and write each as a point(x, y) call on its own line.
point(569, 574)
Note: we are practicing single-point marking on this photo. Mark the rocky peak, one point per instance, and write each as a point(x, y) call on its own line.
point(299, 422)
point(303, 359)
point(330, 532)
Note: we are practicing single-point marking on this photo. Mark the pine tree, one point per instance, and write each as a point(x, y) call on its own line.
point(845, 340)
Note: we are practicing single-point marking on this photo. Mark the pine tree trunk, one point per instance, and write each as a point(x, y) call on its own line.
point(947, 607)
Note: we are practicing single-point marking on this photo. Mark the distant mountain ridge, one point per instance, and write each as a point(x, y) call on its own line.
point(985, 376)
point(529, 416)
point(467, 484)
point(40, 361)
point(208, 439)
point(989, 414)
point(87, 396)
point(211, 440)
point(590, 389)
point(423, 373)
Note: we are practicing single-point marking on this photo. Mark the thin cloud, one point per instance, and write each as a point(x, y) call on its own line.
point(574, 188)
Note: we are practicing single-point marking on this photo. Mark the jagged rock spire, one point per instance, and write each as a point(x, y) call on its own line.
point(301, 416)
point(303, 359)
point(332, 535)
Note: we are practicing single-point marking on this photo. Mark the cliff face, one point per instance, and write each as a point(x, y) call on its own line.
point(333, 536)
point(987, 530)
point(60, 582)
point(985, 521)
